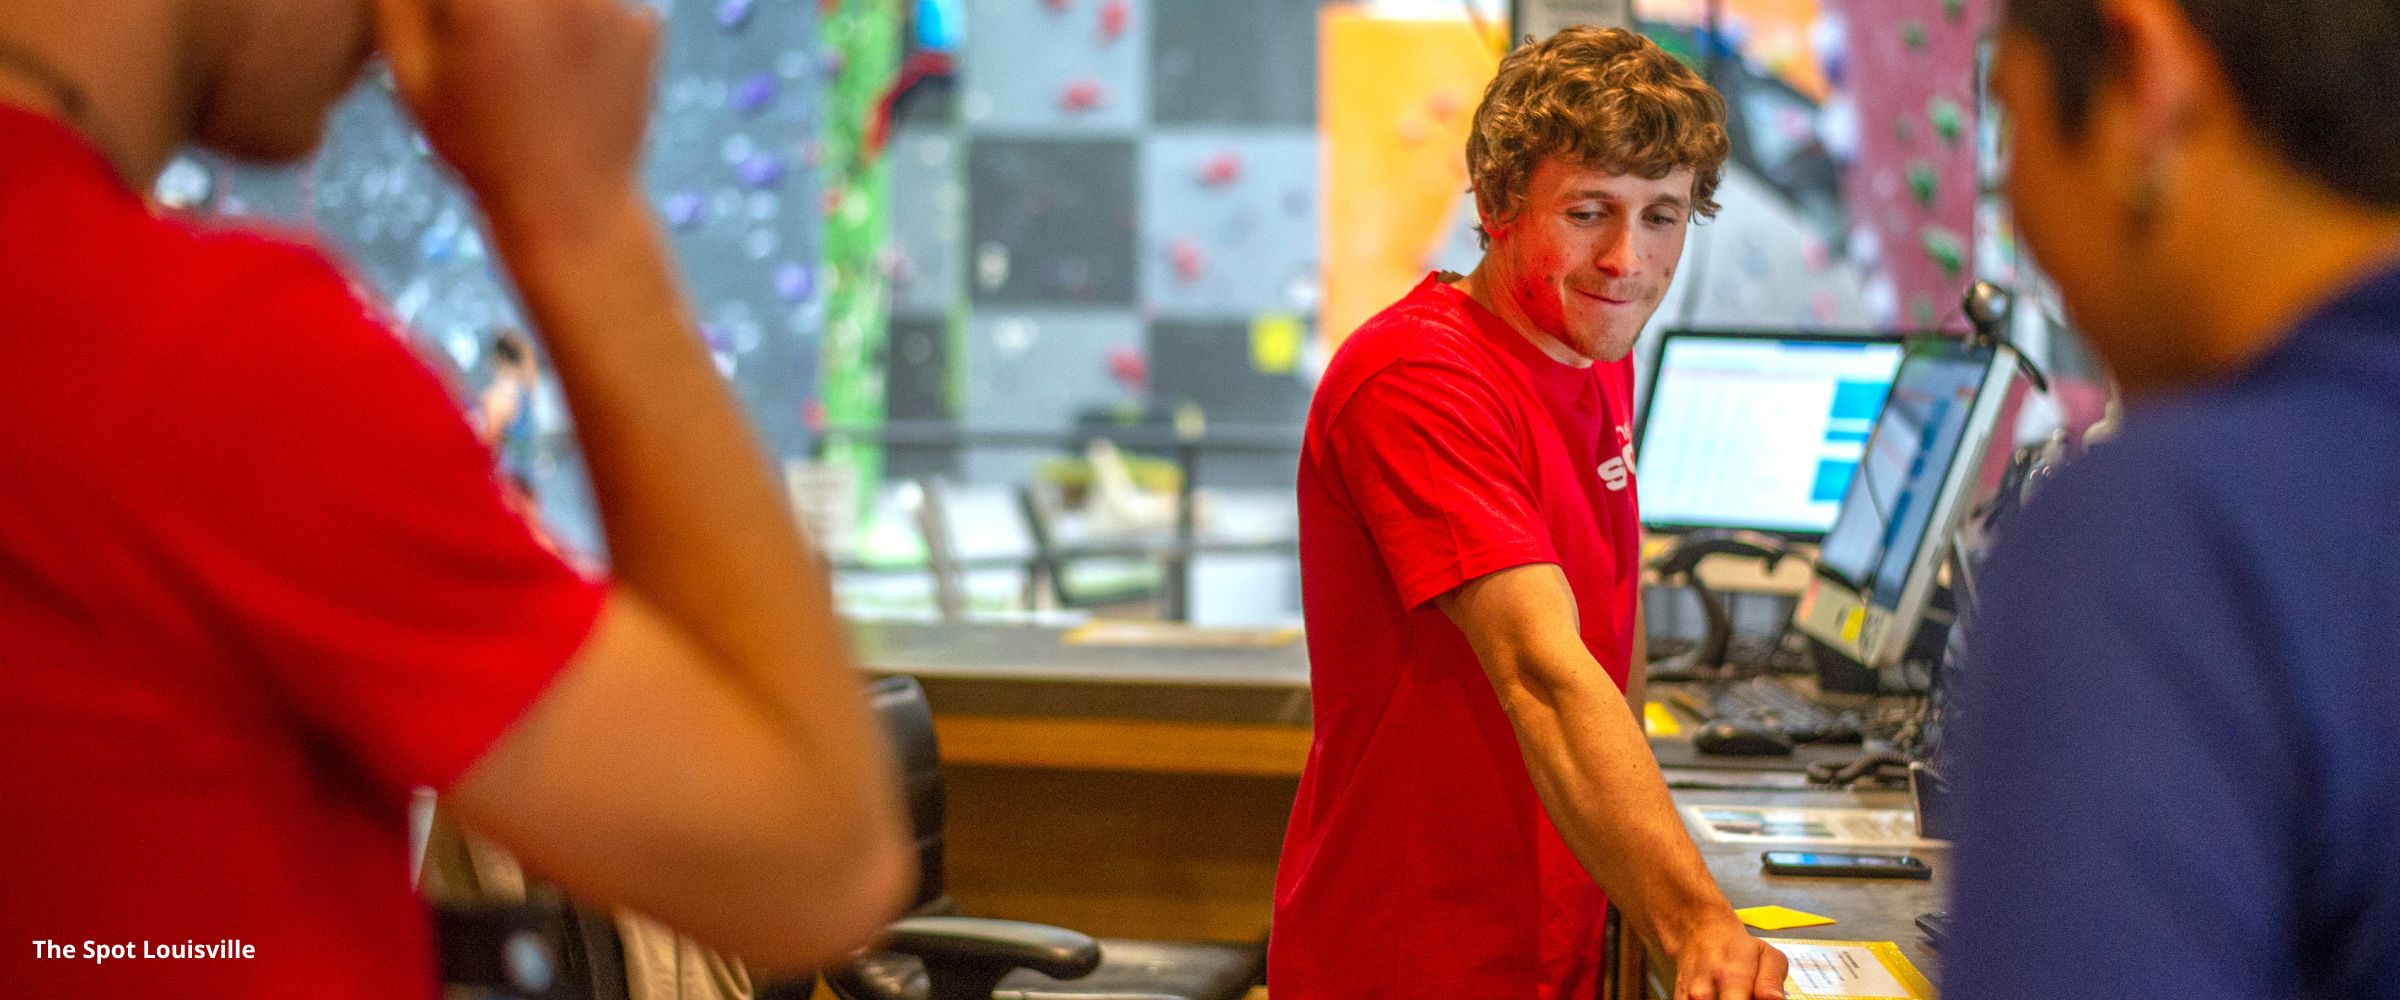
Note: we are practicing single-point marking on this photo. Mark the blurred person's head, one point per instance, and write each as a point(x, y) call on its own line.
point(1591, 153)
point(512, 352)
point(254, 79)
point(2195, 174)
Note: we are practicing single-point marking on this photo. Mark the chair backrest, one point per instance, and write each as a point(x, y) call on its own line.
point(908, 722)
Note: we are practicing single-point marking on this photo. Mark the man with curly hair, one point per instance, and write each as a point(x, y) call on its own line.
point(1478, 790)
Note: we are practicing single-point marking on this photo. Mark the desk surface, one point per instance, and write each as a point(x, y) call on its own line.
point(1864, 909)
point(1040, 653)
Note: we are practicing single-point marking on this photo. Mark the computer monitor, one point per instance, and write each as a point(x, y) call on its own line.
point(1757, 430)
point(1878, 564)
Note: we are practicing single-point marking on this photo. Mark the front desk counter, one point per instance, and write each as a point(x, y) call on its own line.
point(1864, 909)
point(1143, 791)
point(1122, 791)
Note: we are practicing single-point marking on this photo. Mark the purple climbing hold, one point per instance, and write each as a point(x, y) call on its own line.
point(684, 209)
point(732, 15)
point(794, 281)
point(760, 170)
point(754, 93)
point(716, 338)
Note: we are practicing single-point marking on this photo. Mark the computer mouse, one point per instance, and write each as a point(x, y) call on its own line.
point(1728, 738)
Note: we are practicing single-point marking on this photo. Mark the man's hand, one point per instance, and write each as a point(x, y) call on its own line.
point(1721, 961)
point(540, 105)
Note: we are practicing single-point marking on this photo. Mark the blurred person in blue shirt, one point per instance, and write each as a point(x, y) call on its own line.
point(2176, 769)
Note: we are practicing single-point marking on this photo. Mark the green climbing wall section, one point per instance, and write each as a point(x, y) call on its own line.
point(862, 38)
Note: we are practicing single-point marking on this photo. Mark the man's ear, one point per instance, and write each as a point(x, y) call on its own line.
point(1492, 227)
point(2161, 66)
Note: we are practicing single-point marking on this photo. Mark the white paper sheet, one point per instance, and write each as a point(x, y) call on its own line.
point(1854, 827)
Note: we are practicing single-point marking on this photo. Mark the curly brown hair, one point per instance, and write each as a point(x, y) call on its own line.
point(1601, 98)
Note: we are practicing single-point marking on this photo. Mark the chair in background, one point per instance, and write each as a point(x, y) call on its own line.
point(1125, 968)
point(1054, 562)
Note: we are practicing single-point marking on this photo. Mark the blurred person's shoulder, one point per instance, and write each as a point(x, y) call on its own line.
point(2278, 473)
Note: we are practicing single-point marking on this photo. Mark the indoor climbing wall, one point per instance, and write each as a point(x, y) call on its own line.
point(1912, 184)
point(1114, 209)
point(861, 40)
point(734, 157)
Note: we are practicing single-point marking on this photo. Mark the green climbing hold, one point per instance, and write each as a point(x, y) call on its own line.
point(1913, 32)
point(1949, 120)
point(1947, 251)
point(1955, 10)
point(1923, 183)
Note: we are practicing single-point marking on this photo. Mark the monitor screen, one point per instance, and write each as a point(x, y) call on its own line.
point(1889, 506)
point(1758, 431)
point(1878, 563)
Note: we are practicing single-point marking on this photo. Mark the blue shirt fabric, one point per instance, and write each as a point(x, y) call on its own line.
point(2179, 755)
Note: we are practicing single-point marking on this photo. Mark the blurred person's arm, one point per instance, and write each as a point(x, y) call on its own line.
point(1600, 785)
point(496, 406)
point(707, 757)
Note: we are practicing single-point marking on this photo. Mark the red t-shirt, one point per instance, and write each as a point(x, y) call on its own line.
point(256, 582)
point(1443, 446)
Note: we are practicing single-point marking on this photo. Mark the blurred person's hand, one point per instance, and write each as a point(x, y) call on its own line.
point(540, 105)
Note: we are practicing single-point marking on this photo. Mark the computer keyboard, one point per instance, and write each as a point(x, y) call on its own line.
point(1766, 702)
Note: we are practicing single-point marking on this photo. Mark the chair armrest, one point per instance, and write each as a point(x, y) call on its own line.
point(978, 941)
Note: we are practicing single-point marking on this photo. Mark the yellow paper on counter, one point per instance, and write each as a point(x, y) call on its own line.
point(1657, 721)
point(1851, 970)
point(1779, 918)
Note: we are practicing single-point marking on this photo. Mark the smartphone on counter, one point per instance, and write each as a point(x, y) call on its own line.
point(1845, 865)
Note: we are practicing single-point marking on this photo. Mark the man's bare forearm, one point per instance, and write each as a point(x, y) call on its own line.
point(1596, 777)
point(693, 520)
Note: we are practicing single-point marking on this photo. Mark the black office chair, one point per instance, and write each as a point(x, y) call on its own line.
point(546, 947)
point(1125, 969)
point(542, 949)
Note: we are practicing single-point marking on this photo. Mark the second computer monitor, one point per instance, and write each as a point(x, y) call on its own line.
point(1878, 565)
point(1757, 430)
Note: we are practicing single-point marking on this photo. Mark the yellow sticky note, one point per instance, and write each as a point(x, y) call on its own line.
point(1275, 343)
point(1853, 623)
point(1778, 918)
point(1657, 721)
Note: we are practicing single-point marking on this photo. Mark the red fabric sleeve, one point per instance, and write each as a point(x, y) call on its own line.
point(1432, 466)
point(334, 517)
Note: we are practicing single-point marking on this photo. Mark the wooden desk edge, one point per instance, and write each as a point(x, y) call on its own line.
point(1136, 745)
